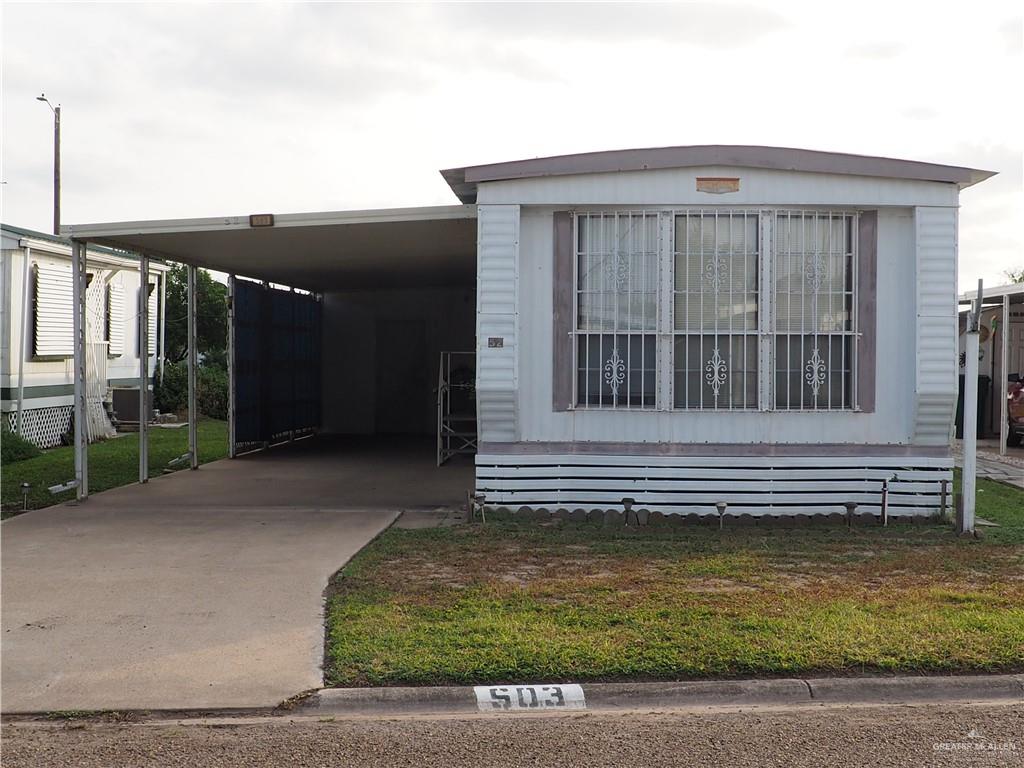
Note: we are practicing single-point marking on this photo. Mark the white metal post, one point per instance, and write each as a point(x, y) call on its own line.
point(231, 366)
point(291, 430)
point(1004, 384)
point(193, 359)
point(971, 414)
point(79, 285)
point(143, 369)
point(162, 315)
point(25, 273)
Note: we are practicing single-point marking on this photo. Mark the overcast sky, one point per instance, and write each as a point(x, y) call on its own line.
point(204, 110)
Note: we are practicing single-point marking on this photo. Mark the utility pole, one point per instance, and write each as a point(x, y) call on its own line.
point(56, 161)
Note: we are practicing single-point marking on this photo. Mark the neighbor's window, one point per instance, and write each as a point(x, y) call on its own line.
point(672, 310)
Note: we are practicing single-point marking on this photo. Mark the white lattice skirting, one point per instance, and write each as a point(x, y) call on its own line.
point(43, 426)
point(693, 485)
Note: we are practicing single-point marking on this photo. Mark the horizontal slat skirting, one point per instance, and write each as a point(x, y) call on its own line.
point(753, 486)
point(773, 485)
point(824, 451)
point(738, 510)
point(706, 473)
point(886, 462)
point(568, 497)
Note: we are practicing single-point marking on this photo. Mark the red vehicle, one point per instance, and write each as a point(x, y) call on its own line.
point(1015, 411)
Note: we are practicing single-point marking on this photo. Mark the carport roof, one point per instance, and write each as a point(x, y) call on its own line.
point(391, 247)
point(1014, 290)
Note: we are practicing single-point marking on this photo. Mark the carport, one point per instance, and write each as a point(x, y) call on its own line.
point(337, 320)
point(1001, 356)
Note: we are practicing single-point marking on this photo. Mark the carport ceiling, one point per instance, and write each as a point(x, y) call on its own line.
point(389, 248)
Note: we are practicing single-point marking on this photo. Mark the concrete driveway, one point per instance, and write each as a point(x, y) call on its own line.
point(199, 589)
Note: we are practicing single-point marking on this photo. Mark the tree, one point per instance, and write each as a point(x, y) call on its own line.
point(211, 316)
point(1015, 275)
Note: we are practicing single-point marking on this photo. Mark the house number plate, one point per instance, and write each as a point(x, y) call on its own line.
point(535, 698)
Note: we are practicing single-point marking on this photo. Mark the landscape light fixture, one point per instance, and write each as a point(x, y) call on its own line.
point(56, 160)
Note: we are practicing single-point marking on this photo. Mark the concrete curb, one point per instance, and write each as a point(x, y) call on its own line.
point(458, 700)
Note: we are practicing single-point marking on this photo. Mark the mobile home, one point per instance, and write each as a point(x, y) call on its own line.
point(37, 341)
point(673, 329)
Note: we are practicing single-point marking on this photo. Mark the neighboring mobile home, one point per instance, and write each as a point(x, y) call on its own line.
point(1002, 322)
point(37, 340)
point(770, 328)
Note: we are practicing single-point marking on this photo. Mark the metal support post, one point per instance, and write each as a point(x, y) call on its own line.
point(25, 275)
point(79, 285)
point(291, 341)
point(143, 369)
point(971, 413)
point(163, 324)
point(193, 361)
point(231, 366)
point(1004, 383)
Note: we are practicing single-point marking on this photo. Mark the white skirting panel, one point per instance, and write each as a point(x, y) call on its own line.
point(754, 485)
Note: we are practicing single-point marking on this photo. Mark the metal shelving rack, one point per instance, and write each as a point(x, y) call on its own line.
point(456, 405)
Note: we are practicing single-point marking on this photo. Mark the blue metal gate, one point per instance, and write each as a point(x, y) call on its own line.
point(277, 364)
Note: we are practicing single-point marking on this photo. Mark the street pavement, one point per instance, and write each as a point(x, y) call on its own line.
point(919, 736)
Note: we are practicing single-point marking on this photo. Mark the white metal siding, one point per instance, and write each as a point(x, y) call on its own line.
point(936, 331)
point(754, 485)
point(115, 319)
point(758, 186)
point(53, 323)
point(497, 318)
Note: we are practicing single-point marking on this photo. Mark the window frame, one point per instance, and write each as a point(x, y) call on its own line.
point(766, 335)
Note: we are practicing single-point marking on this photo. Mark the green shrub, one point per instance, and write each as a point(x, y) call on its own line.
point(14, 447)
point(172, 395)
point(212, 392)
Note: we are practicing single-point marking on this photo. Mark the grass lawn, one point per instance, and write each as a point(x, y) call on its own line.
point(509, 602)
point(111, 463)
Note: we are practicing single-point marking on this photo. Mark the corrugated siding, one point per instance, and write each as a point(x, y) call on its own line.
point(793, 485)
point(936, 332)
point(115, 319)
point(497, 318)
point(53, 323)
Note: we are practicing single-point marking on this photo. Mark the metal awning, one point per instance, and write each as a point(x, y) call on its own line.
point(1014, 291)
point(391, 247)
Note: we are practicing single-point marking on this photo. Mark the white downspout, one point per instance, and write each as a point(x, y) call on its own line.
point(24, 336)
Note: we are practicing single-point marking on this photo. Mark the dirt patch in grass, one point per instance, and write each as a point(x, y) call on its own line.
point(509, 602)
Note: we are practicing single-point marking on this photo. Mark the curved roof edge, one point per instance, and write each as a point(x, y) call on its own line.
point(463, 181)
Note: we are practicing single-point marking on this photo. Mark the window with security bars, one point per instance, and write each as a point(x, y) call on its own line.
point(813, 332)
point(716, 310)
point(617, 263)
